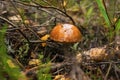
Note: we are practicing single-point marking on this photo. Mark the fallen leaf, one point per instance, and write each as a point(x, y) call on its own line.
point(34, 62)
point(44, 38)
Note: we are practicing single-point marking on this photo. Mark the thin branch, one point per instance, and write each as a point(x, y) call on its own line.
point(17, 12)
point(51, 7)
point(108, 71)
point(15, 26)
point(39, 8)
point(100, 63)
point(116, 71)
point(23, 18)
point(52, 66)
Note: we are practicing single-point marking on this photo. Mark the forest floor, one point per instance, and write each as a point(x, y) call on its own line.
point(95, 57)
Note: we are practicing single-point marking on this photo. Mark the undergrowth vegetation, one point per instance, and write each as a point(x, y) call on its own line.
point(28, 53)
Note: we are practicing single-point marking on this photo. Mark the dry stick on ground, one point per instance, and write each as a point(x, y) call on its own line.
point(108, 71)
point(59, 65)
point(76, 73)
point(15, 26)
point(53, 66)
point(43, 8)
point(116, 70)
point(99, 63)
point(17, 11)
point(57, 10)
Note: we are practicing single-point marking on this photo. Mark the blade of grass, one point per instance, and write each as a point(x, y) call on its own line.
point(102, 8)
point(6, 64)
point(117, 26)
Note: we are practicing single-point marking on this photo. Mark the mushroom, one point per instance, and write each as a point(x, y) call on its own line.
point(66, 34)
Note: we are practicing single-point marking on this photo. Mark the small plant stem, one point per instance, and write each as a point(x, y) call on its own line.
point(108, 71)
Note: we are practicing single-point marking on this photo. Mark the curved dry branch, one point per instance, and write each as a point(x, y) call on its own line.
point(51, 7)
point(15, 26)
point(43, 8)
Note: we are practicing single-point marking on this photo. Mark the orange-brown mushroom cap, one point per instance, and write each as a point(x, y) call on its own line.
point(65, 33)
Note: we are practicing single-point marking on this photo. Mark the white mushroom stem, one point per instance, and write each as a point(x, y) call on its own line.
point(68, 53)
